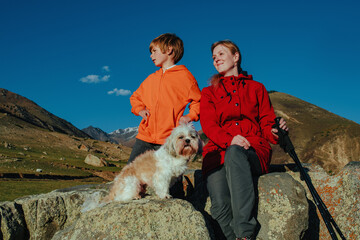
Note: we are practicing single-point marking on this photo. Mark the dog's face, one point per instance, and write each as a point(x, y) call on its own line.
point(184, 141)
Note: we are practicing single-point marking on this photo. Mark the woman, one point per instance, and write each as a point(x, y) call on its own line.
point(237, 116)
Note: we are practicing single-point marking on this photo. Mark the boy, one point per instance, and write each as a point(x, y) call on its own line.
point(163, 96)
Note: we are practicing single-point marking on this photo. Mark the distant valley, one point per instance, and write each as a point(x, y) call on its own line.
point(319, 136)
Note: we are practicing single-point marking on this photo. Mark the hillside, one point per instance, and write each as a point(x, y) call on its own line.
point(318, 135)
point(28, 111)
point(39, 149)
point(31, 138)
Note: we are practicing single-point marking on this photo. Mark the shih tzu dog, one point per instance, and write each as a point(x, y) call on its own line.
point(157, 169)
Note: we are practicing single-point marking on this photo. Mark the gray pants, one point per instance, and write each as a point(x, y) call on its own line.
point(232, 192)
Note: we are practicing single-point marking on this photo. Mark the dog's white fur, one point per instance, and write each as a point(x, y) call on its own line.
point(158, 168)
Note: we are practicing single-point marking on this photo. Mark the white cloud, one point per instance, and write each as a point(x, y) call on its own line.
point(105, 78)
point(119, 92)
point(95, 79)
point(106, 68)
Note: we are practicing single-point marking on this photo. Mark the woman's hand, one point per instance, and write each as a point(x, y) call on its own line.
point(282, 125)
point(144, 114)
point(184, 120)
point(241, 141)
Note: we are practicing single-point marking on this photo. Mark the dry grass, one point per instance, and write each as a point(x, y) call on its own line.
point(13, 189)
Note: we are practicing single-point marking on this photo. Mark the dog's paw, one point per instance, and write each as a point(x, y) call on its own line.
point(167, 196)
point(164, 196)
point(137, 197)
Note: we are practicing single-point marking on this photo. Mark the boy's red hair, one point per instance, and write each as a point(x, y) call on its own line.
point(166, 40)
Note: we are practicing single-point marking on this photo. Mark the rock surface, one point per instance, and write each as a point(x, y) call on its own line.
point(341, 194)
point(139, 219)
point(12, 223)
point(283, 211)
point(282, 201)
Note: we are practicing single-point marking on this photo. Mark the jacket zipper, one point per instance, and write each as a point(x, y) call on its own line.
point(157, 105)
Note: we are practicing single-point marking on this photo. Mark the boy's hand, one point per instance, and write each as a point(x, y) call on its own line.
point(184, 120)
point(144, 114)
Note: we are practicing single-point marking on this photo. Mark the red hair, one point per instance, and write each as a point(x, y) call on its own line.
point(214, 80)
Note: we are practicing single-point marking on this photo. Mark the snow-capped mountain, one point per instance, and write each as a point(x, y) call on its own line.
point(124, 135)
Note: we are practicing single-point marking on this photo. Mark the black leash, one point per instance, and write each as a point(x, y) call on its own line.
point(286, 144)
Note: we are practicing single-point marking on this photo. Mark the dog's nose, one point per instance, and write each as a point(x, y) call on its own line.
point(187, 140)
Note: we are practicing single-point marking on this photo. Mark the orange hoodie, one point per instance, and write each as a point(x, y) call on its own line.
point(166, 96)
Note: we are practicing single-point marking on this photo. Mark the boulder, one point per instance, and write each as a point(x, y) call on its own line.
point(95, 161)
point(283, 211)
point(12, 223)
point(40, 216)
point(283, 207)
point(340, 193)
point(148, 218)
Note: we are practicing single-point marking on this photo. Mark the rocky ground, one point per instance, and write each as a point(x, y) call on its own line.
point(285, 211)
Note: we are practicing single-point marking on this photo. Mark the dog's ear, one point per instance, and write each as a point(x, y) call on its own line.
point(169, 146)
point(199, 150)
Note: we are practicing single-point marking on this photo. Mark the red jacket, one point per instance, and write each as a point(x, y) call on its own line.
point(236, 106)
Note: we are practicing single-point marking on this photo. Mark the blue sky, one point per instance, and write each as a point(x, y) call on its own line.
point(81, 60)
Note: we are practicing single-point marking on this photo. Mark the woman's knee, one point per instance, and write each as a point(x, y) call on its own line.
point(235, 154)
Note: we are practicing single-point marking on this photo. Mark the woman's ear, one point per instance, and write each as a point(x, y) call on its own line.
point(236, 57)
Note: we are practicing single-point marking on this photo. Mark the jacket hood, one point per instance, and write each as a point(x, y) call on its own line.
point(242, 76)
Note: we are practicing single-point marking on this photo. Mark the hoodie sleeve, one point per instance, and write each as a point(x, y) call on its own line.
point(210, 123)
point(266, 115)
point(136, 101)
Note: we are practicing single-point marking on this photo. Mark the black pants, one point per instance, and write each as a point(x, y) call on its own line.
point(140, 147)
point(232, 192)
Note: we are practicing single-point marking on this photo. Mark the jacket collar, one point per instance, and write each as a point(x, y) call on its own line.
point(242, 76)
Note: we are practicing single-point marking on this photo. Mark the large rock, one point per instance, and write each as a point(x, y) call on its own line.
point(95, 161)
point(341, 194)
point(40, 216)
point(12, 224)
point(139, 219)
point(283, 211)
point(283, 207)
point(59, 213)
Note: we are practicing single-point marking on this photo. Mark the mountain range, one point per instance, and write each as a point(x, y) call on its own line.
point(125, 136)
point(318, 135)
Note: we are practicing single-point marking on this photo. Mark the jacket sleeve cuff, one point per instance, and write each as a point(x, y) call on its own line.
point(272, 139)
